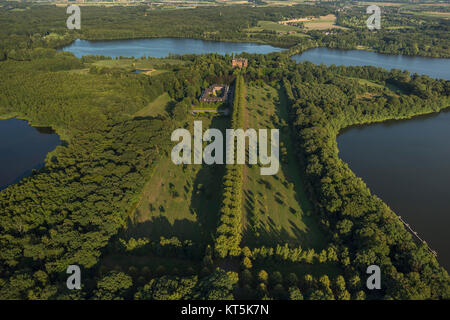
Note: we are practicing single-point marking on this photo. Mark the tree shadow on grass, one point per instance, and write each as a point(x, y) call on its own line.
point(313, 235)
point(160, 226)
point(269, 234)
point(205, 203)
point(207, 190)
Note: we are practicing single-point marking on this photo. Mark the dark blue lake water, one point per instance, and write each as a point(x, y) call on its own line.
point(162, 47)
point(433, 67)
point(23, 148)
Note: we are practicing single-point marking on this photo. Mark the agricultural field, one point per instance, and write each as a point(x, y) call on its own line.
point(321, 23)
point(384, 4)
point(313, 23)
point(432, 14)
point(275, 208)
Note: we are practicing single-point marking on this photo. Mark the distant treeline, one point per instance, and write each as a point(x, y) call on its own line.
point(45, 26)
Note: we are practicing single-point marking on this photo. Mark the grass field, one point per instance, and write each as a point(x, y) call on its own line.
point(179, 200)
point(366, 82)
point(322, 23)
point(157, 107)
point(276, 27)
point(436, 14)
point(394, 90)
point(279, 200)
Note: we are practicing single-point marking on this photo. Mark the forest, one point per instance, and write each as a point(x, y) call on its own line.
point(81, 207)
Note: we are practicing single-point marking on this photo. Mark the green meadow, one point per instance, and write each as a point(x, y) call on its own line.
point(180, 200)
point(276, 209)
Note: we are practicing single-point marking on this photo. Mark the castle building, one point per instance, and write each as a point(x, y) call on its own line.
point(240, 63)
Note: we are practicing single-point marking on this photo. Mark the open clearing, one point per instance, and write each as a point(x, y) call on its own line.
point(157, 107)
point(275, 208)
point(140, 64)
point(322, 23)
point(437, 14)
point(272, 26)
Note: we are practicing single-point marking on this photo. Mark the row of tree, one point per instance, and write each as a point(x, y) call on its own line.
point(229, 230)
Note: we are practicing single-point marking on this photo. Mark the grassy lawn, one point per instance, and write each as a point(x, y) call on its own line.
point(156, 107)
point(179, 200)
point(279, 200)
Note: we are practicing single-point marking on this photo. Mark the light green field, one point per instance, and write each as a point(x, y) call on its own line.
point(300, 35)
point(441, 15)
point(179, 200)
point(394, 90)
point(274, 26)
point(284, 210)
point(400, 27)
point(367, 82)
point(53, 36)
point(156, 107)
point(140, 64)
point(322, 23)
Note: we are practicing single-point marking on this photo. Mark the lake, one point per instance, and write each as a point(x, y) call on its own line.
point(23, 148)
point(433, 67)
point(162, 47)
point(407, 164)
